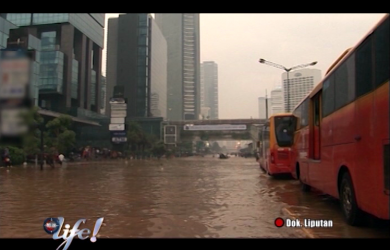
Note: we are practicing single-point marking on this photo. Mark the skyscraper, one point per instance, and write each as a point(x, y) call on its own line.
point(70, 58)
point(137, 60)
point(209, 88)
point(300, 83)
point(276, 101)
point(181, 32)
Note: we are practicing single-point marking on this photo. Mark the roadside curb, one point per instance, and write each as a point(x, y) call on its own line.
point(306, 231)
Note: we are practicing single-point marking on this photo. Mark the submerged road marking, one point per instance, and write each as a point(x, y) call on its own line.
point(305, 230)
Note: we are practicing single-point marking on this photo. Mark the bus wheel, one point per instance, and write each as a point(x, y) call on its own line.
point(352, 214)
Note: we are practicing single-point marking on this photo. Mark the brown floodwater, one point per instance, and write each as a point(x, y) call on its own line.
point(194, 197)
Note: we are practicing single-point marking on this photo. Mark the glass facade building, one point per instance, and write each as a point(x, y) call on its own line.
point(35, 44)
point(209, 88)
point(5, 27)
point(181, 31)
point(158, 72)
point(72, 41)
point(142, 95)
point(137, 59)
point(52, 72)
point(90, 24)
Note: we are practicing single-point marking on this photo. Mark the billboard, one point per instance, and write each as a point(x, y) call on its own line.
point(117, 120)
point(15, 69)
point(118, 106)
point(220, 127)
point(116, 127)
point(118, 113)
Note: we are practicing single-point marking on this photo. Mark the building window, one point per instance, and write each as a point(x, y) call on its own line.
point(45, 18)
point(48, 40)
point(20, 19)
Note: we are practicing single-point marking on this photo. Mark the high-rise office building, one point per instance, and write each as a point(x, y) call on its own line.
point(209, 87)
point(181, 32)
point(276, 101)
point(137, 60)
point(300, 83)
point(70, 58)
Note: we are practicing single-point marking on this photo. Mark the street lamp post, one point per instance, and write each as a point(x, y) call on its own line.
point(288, 77)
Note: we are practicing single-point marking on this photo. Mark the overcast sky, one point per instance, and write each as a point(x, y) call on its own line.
point(236, 42)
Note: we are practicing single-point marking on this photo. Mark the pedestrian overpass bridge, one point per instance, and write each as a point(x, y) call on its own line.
point(222, 129)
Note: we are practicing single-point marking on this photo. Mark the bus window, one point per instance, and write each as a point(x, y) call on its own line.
point(316, 135)
point(284, 130)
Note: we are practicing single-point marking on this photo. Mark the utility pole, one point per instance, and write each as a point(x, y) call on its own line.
point(266, 105)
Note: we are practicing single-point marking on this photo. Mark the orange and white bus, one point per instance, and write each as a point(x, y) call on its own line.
point(276, 141)
point(342, 137)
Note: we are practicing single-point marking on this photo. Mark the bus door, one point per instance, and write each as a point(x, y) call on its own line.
point(316, 144)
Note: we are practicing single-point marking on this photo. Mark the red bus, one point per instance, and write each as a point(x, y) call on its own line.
point(276, 141)
point(342, 137)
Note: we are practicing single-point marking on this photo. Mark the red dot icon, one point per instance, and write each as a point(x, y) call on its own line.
point(279, 222)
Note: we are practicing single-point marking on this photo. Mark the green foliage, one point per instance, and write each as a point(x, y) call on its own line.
point(31, 140)
point(17, 155)
point(215, 147)
point(59, 134)
point(158, 149)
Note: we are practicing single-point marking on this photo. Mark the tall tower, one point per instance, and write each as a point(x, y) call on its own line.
point(137, 60)
point(300, 82)
point(209, 88)
point(181, 32)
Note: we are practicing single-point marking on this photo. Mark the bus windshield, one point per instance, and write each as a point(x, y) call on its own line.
point(284, 130)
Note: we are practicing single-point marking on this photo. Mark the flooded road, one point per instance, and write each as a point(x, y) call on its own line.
point(191, 197)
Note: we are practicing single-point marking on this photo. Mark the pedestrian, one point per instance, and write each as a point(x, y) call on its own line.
point(61, 158)
point(7, 158)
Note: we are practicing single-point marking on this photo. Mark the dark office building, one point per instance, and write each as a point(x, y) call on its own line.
point(137, 60)
point(182, 34)
point(70, 58)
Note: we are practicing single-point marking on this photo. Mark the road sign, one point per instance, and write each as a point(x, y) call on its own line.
point(119, 139)
point(170, 139)
point(118, 120)
point(116, 127)
point(214, 127)
point(117, 100)
point(120, 106)
point(119, 133)
point(170, 129)
point(118, 113)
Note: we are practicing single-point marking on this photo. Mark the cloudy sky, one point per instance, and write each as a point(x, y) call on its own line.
point(237, 41)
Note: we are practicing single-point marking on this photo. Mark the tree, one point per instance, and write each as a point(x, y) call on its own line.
point(158, 149)
point(134, 132)
point(215, 147)
point(61, 137)
point(31, 140)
